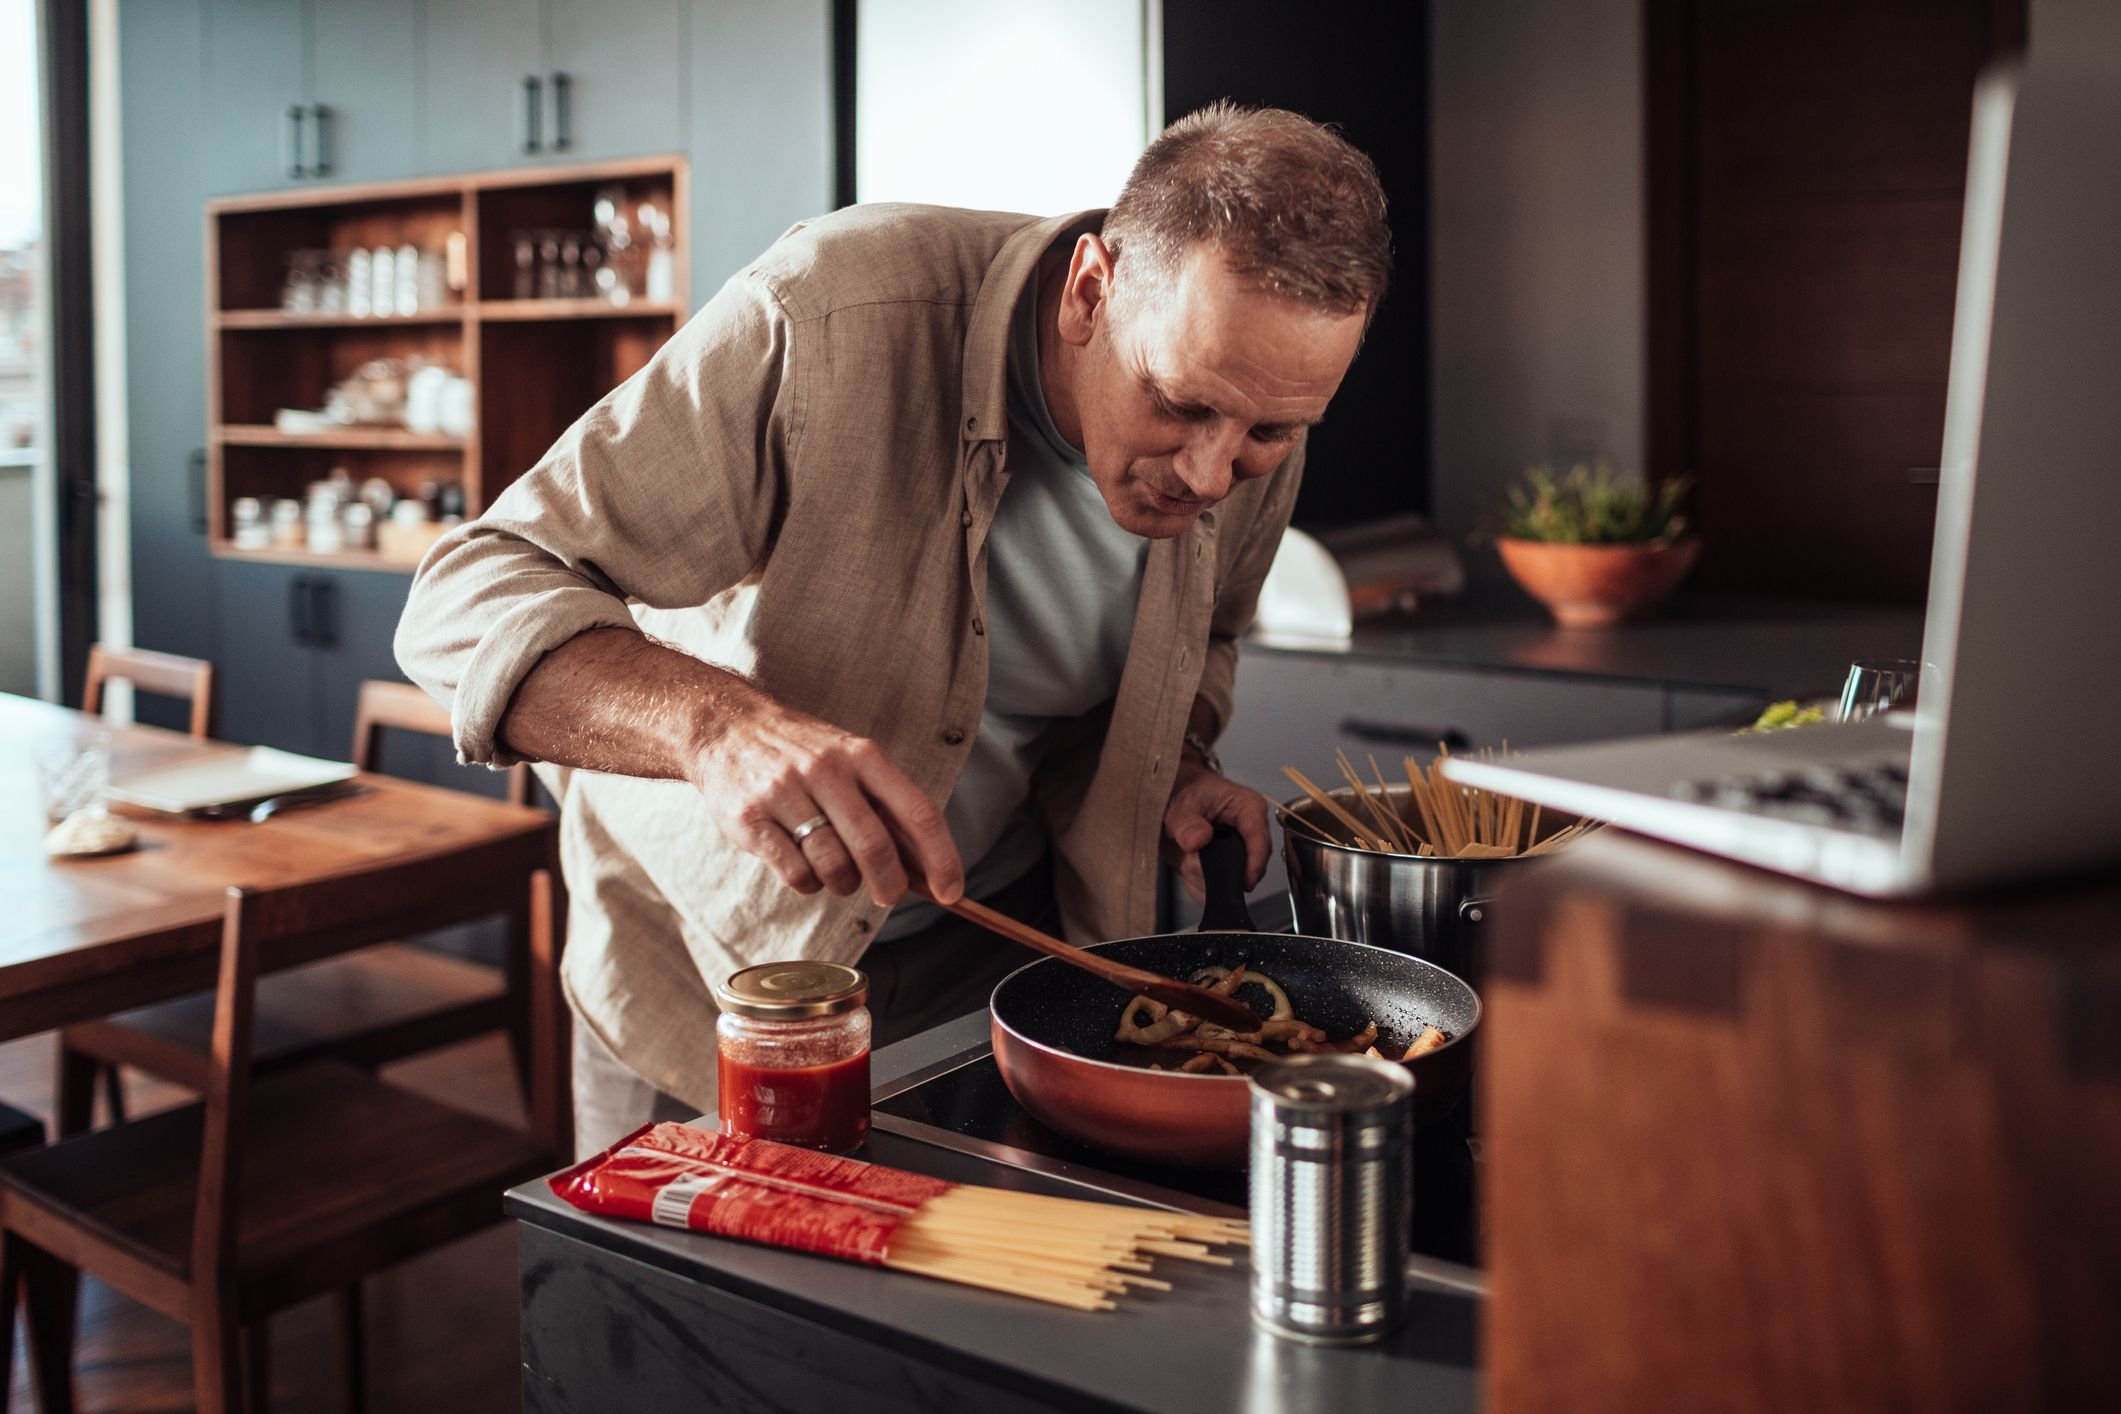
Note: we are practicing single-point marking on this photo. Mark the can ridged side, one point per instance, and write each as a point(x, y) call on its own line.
point(1332, 1196)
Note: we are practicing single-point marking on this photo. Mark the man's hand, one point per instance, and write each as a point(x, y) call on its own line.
point(1200, 800)
point(768, 769)
point(616, 701)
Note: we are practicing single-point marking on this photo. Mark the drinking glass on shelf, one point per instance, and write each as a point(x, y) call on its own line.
point(74, 776)
point(526, 262)
point(331, 285)
point(661, 276)
point(299, 294)
point(570, 265)
point(408, 269)
point(548, 265)
point(360, 284)
point(383, 282)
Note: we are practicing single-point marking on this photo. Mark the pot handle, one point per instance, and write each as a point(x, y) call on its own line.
point(1222, 871)
point(1474, 910)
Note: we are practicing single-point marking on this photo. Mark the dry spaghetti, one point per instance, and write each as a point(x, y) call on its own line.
point(1439, 818)
point(1064, 1251)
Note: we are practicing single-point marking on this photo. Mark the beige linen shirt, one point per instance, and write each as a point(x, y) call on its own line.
point(798, 487)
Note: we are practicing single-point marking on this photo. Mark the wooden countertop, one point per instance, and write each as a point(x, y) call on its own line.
point(1754, 1145)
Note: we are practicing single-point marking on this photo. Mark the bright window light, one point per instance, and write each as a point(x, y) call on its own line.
point(956, 102)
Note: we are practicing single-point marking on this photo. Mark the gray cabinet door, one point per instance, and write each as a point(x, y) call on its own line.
point(761, 139)
point(266, 676)
point(364, 611)
point(256, 69)
point(622, 64)
point(367, 76)
point(474, 57)
point(160, 47)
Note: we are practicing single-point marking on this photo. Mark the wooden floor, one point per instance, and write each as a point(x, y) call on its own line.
point(441, 1330)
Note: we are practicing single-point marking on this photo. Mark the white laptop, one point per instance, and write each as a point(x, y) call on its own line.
point(2010, 764)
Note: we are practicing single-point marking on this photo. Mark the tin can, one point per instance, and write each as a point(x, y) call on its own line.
point(1332, 1196)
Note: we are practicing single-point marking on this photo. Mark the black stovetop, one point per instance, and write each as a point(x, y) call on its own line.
point(963, 1104)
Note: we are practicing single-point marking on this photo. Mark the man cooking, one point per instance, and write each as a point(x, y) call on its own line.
point(927, 542)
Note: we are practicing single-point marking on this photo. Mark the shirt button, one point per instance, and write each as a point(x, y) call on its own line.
point(966, 520)
point(970, 423)
point(1207, 517)
point(980, 629)
point(1183, 655)
point(861, 925)
point(1196, 549)
point(1156, 766)
point(953, 737)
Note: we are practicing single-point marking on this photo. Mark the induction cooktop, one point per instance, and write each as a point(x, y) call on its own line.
point(961, 1103)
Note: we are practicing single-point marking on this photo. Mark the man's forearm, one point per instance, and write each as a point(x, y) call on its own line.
point(616, 701)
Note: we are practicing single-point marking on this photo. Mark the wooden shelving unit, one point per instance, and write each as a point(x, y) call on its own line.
point(352, 439)
point(536, 364)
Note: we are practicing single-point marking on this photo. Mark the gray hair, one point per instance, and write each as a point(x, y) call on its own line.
point(1293, 207)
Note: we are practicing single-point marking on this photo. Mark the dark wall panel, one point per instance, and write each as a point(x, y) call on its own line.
point(1364, 67)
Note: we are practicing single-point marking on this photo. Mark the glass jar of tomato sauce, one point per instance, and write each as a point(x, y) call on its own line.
point(793, 1044)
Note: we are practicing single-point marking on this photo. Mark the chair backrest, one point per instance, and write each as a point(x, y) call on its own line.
point(265, 930)
point(165, 674)
point(402, 707)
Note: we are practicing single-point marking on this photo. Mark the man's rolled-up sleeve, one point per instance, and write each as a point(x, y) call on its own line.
point(1237, 596)
point(665, 493)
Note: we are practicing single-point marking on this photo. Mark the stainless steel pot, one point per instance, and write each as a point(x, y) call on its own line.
point(1433, 909)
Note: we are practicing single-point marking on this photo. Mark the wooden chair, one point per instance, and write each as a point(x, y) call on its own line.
point(164, 674)
point(368, 1008)
point(278, 1188)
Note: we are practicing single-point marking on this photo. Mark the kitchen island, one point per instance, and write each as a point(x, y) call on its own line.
point(623, 1315)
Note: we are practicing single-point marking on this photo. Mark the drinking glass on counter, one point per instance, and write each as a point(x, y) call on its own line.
point(74, 776)
point(1878, 685)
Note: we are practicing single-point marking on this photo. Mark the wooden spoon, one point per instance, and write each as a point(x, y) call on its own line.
point(1179, 996)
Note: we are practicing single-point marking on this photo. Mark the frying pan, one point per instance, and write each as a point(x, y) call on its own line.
point(1053, 1027)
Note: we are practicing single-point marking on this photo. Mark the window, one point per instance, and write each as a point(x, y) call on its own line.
point(25, 360)
point(959, 102)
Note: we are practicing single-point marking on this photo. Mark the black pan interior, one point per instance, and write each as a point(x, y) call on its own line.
point(1339, 987)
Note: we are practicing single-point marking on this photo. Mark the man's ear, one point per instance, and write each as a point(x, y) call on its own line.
point(1087, 294)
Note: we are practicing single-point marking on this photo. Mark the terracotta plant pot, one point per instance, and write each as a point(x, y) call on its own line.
point(1596, 586)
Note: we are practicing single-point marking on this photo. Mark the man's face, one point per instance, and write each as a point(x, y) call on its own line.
point(1190, 385)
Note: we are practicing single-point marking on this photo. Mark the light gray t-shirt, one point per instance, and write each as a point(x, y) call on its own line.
point(1063, 581)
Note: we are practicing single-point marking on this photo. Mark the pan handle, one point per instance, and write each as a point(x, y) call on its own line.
point(1222, 870)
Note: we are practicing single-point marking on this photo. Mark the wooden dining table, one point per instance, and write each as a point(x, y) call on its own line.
point(89, 937)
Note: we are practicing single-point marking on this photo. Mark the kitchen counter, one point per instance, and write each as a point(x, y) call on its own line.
point(1756, 1146)
point(624, 1315)
point(1769, 648)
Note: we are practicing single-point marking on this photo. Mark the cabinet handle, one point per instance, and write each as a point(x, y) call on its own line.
point(1392, 734)
point(296, 116)
point(562, 111)
point(323, 613)
point(533, 114)
point(195, 465)
point(298, 608)
point(319, 140)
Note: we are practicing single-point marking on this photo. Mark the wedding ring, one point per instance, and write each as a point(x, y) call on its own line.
point(808, 828)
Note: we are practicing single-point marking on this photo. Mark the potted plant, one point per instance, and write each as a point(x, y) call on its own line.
point(1595, 546)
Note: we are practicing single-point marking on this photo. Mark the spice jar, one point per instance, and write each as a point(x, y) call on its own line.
point(793, 1054)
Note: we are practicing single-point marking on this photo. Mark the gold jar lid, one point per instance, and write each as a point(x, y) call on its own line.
point(792, 991)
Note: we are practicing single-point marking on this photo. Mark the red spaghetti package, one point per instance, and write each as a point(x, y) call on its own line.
point(753, 1189)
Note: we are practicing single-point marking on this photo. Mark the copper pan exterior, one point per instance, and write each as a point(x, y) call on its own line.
point(1052, 1027)
point(1155, 1116)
